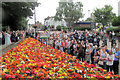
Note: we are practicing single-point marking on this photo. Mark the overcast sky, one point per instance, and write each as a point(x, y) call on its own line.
point(48, 8)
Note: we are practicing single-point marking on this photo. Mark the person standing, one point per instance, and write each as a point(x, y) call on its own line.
point(110, 59)
point(116, 61)
point(98, 40)
point(3, 38)
point(81, 51)
point(113, 34)
point(96, 56)
point(93, 53)
point(110, 36)
point(119, 37)
point(7, 38)
point(0, 38)
point(103, 57)
point(88, 54)
point(60, 45)
point(75, 48)
point(68, 46)
point(71, 48)
point(91, 49)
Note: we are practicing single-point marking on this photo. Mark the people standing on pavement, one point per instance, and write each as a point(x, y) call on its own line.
point(75, 48)
point(68, 46)
point(88, 54)
point(7, 38)
point(3, 38)
point(0, 38)
point(113, 48)
point(71, 48)
point(94, 52)
point(113, 41)
point(113, 34)
point(96, 56)
point(13, 39)
point(60, 45)
point(91, 49)
point(103, 58)
point(110, 36)
point(116, 61)
point(119, 37)
point(110, 59)
point(82, 50)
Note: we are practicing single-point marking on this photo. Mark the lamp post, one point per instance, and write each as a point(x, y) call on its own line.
point(35, 26)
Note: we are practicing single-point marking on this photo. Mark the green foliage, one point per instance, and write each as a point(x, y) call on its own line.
point(116, 21)
point(16, 13)
point(115, 29)
point(59, 27)
point(104, 15)
point(65, 28)
point(82, 28)
point(89, 20)
point(69, 11)
point(4, 28)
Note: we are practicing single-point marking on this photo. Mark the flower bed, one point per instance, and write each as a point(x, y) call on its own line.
point(31, 60)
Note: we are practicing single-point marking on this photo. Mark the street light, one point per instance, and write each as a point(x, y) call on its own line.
point(35, 26)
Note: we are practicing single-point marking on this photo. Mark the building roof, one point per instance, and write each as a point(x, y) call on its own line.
point(83, 23)
point(48, 18)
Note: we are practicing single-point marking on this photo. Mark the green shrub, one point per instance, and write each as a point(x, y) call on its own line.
point(65, 28)
point(59, 28)
point(82, 28)
point(115, 29)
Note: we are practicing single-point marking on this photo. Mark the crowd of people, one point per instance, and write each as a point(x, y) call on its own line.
point(85, 45)
point(7, 37)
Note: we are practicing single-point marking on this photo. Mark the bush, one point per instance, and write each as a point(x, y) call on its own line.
point(59, 28)
point(82, 28)
point(115, 29)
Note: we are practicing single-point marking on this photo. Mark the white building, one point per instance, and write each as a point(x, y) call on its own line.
point(49, 21)
point(119, 8)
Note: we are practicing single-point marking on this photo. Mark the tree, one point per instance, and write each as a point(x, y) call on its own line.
point(15, 13)
point(116, 21)
point(69, 11)
point(104, 15)
point(89, 19)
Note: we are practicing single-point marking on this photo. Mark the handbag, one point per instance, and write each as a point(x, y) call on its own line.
point(100, 62)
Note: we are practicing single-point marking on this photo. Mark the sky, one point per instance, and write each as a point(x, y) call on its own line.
point(48, 8)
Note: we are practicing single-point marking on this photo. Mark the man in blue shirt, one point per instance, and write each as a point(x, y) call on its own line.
point(116, 61)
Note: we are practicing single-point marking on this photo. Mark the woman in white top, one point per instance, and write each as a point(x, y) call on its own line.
point(7, 38)
point(110, 58)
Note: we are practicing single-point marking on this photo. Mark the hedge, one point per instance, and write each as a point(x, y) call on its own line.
point(115, 29)
point(59, 28)
point(82, 28)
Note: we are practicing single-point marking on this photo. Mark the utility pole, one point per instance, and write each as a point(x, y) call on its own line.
point(35, 21)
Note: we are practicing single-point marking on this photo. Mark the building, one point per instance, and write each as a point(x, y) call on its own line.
point(50, 23)
point(119, 8)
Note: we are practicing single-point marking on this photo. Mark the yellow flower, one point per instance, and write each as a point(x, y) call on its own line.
point(5, 70)
point(44, 66)
point(104, 70)
point(18, 71)
point(107, 77)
